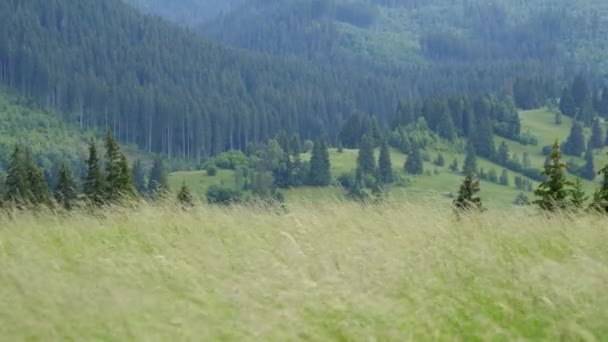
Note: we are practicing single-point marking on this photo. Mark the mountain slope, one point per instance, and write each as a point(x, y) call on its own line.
point(165, 89)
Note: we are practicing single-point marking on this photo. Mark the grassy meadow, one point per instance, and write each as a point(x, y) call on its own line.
point(338, 271)
point(441, 181)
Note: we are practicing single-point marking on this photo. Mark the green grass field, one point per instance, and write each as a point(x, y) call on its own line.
point(337, 271)
point(539, 122)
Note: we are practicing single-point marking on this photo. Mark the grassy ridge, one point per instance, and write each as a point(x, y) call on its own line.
point(336, 272)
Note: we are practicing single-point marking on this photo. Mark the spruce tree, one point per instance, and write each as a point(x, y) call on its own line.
point(319, 173)
point(158, 180)
point(16, 179)
point(504, 178)
point(566, 103)
point(65, 191)
point(454, 166)
point(553, 194)
point(184, 197)
point(139, 177)
point(124, 183)
point(526, 163)
point(113, 169)
point(38, 190)
point(414, 165)
point(366, 164)
point(600, 197)
point(502, 155)
point(440, 161)
point(470, 160)
point(575, 144)
point(94, 188)
point(597, 136)
point(586, 113)
point(385, 166)
point(468, 199)
point(603, 105)
point(588, 171)
point(580, 90)
point(578, 197)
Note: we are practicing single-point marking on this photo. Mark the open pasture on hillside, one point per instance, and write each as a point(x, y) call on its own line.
point(340, 271)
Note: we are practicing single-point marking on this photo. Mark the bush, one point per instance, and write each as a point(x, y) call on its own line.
point(528, 139)
point(231, 159)
point(222, 195)
point(211, 170)
point(347, 179)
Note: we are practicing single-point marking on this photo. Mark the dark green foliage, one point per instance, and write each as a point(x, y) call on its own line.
point(139, 177)
point(16, 184)
point(597, 136)
point(575, 144)
point(578, 196)
point(211, 170)
point(385, 166)
point(125, 182)
point(558, 118)
point(454, 166)
point(440, 161)
point(580, 91)
point(221, 195)
point(158, 180)
point(119, 183)
point(587, 113)
point(502, 155)
point(366, 163)
point(94, 187)
point(66, 191)
point(600, 197)
point(184, 197)
point(414, 165)
point(567, 106)
point(468, 198)
point(553, 194)
point(504, 178)
point(493, 176)
point(603, 104)
point(483, 138)
point(470, 161)
point(588, 171)
point(521, 200)
point(319, 172)
point(526, 164)
point(38, 190)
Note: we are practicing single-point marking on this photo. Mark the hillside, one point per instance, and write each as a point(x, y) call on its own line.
point(438, 181)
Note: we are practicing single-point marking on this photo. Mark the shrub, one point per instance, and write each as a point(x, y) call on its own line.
point(211, 170)
point(222, 195)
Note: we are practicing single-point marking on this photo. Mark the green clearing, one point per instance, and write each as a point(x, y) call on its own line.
point(539, 122)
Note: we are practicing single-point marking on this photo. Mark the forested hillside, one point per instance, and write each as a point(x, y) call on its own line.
point(102, 64)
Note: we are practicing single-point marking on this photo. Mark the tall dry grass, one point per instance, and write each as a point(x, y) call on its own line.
point(336, 271)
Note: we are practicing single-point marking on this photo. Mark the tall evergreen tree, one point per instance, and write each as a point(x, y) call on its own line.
point(600, 197)
point(577, 194)
point(366, 163)
point(94, 187)
point(319, 173)
point(385, 165)
point(158, 180)
point(588, 172)
point(38, 190)
point(587, 113)
point(597, 136)
point(468, 198)
point(603, 105)
point(483, 137)
point(470, 160)
point(414, 165)
point(504, 178)
point(113, 169)
point(553, 194)
point(125, 184)
point(566, 103)
point(16, 179)
point(502, 155)
point(139, 177)
point(575, 144)
point(580, 91)
point(65, 190)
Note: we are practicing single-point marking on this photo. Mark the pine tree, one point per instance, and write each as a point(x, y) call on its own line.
point(575, 144)
point(139, 177)
point(385, 166)
point(504, 178)
point(113, 169)
point(470, 161)
point(527, 163)
point(603, 105)
point(587, 113)
point(468, 199)
point(454, 165)
point(597, 136)
point(578, 197)
point(588, 171)
point(503, 156)
point(440, 161)
point(366, 164)
point(580, 90)
point(184, 197)
point(16, 179)
point(38, 190)
point(158, 180)
point(414, 165)
point(65, 190)
point(553, 194)
point(94, 187)
point(600, 197)
point(558, 118)
point(319, 172)
point(566, 104)
point(125, 184)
